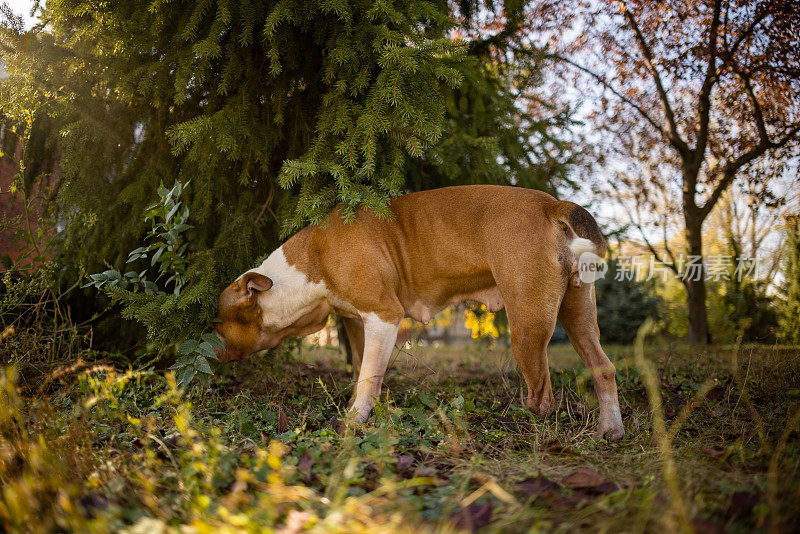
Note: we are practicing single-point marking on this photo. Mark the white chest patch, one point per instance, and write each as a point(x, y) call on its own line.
point(292, 294)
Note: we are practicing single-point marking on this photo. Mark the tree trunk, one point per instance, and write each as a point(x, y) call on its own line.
point(695, 283)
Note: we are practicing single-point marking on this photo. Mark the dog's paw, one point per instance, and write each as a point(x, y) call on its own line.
point(541, 407)
point(358, 414)
point(610, 433)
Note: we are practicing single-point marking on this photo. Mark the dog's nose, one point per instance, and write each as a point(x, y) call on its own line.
point(227, 353)
point(220, 352)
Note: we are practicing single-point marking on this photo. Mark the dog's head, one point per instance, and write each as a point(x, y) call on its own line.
point(254, 316)
point(240, 322)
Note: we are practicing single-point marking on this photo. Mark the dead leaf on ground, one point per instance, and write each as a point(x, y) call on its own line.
point(404, 463)
point(283, 422)
point(715, 452)
point(473, 517)
point(536, 486)
point(588, 481)
point(715, 393)
point(304, 464)
point(554, 447)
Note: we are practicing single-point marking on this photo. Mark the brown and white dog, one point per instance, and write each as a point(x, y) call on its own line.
point(499, 246)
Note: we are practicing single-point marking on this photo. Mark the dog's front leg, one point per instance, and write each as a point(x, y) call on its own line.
point(379, 339)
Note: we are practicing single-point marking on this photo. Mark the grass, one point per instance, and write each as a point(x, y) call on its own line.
point(711, 445)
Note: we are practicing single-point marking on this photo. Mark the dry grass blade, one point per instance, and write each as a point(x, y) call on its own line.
point(650, 379)
point(772, 474)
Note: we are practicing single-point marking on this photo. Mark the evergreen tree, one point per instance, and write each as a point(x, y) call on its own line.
point(623, 305)
point(272, 112)
point(789, 307)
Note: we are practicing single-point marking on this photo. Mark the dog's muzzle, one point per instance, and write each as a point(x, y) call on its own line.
point(228, 353)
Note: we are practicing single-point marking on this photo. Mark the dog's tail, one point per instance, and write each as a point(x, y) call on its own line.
point(582, 230)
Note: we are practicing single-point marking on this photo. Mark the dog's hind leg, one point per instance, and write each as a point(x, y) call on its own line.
point(355, 335)
point(529, 339)
point(578, 315)
point(532, 307)
point(354, 328)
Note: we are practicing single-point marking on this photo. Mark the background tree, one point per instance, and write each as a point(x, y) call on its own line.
point(623, 304)
point(746, 227)
point(693, 94)
point(789, 308)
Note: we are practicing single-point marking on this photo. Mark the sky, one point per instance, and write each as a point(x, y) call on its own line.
point(22, 7)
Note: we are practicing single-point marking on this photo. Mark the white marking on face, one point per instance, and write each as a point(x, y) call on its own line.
point(292, 294)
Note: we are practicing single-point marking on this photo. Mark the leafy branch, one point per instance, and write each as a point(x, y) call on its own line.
point(167, 251)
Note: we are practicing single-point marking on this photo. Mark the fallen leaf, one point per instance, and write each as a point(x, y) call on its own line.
point(93, 502)
point(404, 463)
point(582, 478)
point(715, 452)
point(473, 517)
point(589, 481)
point(304, 464)
point(283, 422)
point(536, 486)
point(554, 447)
point(715, 393)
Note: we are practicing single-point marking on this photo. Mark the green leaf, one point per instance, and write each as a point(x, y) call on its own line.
point(202, 365)
point(213, 339)
point(188, 346)
point(183, 361)
point(206, 349)
point(185, 375)
point(203, 378)
point(157, 255)
point(172, 211)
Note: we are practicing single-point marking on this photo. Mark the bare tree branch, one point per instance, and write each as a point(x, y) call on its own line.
point(672, 130)
point(732, 167)
point(636, 221)
point(605, 83)
point(758, 115)
point(664, 221)
point(704, 100)
point(759, 16)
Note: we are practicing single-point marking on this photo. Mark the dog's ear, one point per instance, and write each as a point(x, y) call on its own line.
point(256, 282)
